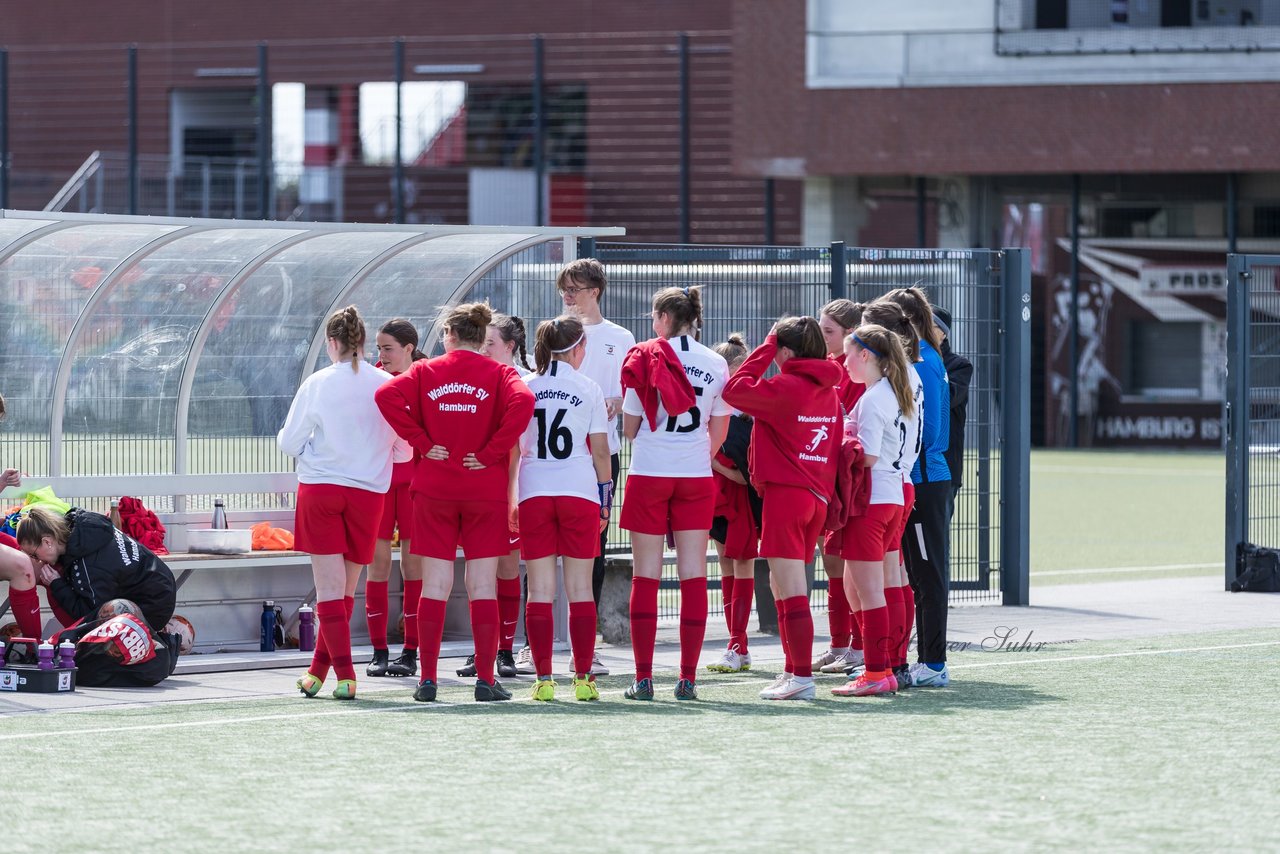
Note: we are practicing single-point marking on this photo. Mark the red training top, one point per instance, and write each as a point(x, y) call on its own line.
point(401, 473)
point(798, 428)
point(468, 403)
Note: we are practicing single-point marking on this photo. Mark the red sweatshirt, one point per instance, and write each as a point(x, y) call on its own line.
point(654, 370)
point(797, 433)
point(468, 403)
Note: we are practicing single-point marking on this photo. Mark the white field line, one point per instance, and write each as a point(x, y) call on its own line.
point(1054, 469)
point(292, 716)
point(1135, 653)
point(1040, 573)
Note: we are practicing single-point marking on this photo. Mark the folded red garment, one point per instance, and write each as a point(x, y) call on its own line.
point(655, 372)
point(142, 524)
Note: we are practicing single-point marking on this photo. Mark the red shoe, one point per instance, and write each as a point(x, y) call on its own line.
point(864, 686)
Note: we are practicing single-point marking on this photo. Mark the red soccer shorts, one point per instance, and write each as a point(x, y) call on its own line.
point(480, 527)
point(397, 512)
point(332, 519)
point(791, 522)
point(655, 505)
point(871, 536)
point(559, 525)
point(908, 501)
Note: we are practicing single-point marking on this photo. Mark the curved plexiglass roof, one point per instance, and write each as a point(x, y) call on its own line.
point(144, 345)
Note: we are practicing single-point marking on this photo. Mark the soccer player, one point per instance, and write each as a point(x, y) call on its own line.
point(836, 320)
point(565, 495)
point(506, 338)
point(794, 449)
point(876, 358)
point(676, 419)
point(582, 284)
point(397, 344)
point(464, 413)
point(736, 527)
point(927, 544)
point(345, 452)
point(17, 569)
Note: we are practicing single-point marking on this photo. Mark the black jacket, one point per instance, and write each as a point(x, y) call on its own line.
point(959, 375)
point(736, 444)
point(102, 563)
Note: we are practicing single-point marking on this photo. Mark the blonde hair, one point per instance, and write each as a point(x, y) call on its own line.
point(733, 348)
point(40, 522)
point(845, 312)
point(891, 316)
point(916, 305)
point(469, 322)
point(887, 349)
point(555, 339)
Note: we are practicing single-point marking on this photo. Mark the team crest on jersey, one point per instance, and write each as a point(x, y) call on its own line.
point(819, 436)
point(608, 348)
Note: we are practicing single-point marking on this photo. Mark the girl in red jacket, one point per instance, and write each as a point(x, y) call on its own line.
point(794, 446)
point(836, 320)
point(875, 357)
point(397, 344)
point(669, 485)
point(463, 412)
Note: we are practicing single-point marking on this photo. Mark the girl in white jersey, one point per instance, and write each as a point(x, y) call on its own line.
point(669, 484)
point(344, 450)
point(875, 357)
point(565, 496)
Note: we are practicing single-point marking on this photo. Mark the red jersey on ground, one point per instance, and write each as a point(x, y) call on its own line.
point(468, 403)
point(797, 419)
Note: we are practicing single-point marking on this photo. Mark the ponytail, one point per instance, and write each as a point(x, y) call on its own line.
point(915, 304)
point(887, 349)
point(555, 339)
point(890, 315)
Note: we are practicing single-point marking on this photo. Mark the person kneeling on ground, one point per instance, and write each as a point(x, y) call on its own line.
point(97, 563)
point(119, 650)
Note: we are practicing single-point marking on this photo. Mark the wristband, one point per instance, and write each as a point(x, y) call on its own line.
point(606, 498)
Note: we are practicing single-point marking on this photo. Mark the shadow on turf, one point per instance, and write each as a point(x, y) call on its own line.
point(966, 694)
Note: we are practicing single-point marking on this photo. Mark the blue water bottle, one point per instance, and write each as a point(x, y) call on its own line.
point(306, 629)
point(268, 636)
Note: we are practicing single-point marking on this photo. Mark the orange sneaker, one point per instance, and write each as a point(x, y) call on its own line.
point(865, 686)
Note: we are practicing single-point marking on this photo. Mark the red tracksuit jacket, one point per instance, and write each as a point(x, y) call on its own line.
point(468, 403)
point(797, 432)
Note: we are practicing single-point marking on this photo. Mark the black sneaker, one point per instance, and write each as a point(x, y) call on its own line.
point(903, 674)
point(641, 689)
point(506, 664)
point(426, 692)
point(405, 664)
point(378, 667)
point(853, 671)
point(487, 692)
point(468, 670)
point(686, 690)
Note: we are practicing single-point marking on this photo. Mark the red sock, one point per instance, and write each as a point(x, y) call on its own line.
point(744, 590)
point(320, 661)
point(727, 583)
point(693, 625)
point(26, 610)
point(787, 664)
point(908, 622)
point(335, 628)
point(509, 611)
point(799, 634)
point(539, 625)
point(839, 617)
point(412, 595)
point(430, 633)
point(484, 633)
point(875, 638)
point(582, 635)
point(375, 609)
point(893, 601)
point(644, 624)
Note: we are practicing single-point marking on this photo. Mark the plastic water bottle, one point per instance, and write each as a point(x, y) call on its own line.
point(44, 656)
point(268, 637)
point(66, 655)
point(306, 629)
point(219, 515)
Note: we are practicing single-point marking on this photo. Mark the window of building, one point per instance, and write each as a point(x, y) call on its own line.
point(1164, 359)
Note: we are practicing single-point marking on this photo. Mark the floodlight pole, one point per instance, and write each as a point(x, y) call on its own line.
point(539, 131)
point(264, 135)
point(133, 130)
point(397, 167)
point(1073, 353)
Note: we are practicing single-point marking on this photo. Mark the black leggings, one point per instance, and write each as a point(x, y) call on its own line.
point(926, 550)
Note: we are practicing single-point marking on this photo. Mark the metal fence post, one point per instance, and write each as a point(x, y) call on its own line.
point(839, 270)
point(921, 198)
point(1073, 351)
point(539, 132)
point(4, 129)
point(770, 215)
point(1015, 427)
point(1237, 412)
point(1233, 213)
point(586, 247)
point(397, 167)
point(684, 139)
point(264, 135)
point(133, 129)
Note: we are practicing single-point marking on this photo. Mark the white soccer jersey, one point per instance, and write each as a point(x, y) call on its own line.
point(681, 446)
point(915, 425)
point(883, 434)
point(607, 346)
point(554, 457)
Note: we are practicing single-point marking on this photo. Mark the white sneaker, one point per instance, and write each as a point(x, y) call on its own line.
point(746, 661)
point(791, 688)
point(778, 680)
point(524, 662)
point(597, 666)
point(831, 656)
point(729, 662)
point(848, 658)
point(924, 676)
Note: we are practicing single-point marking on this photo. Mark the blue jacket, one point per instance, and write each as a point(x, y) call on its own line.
point(932, 464)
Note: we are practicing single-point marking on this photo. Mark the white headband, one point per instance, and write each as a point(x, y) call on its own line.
point(571, 346)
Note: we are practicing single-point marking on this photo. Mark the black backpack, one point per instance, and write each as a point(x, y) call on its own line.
point(1261, 570)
